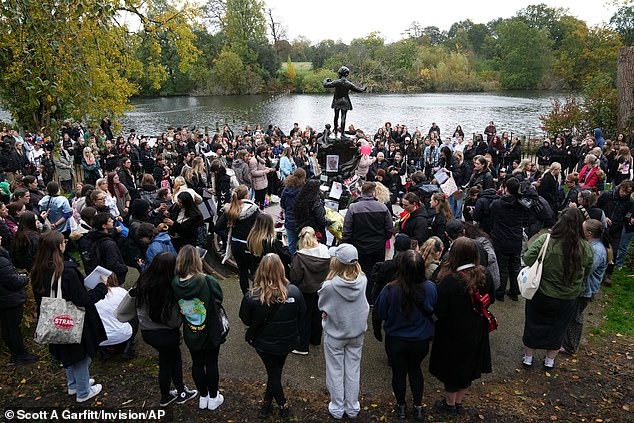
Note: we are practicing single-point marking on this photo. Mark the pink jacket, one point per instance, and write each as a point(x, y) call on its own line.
point(257, 167)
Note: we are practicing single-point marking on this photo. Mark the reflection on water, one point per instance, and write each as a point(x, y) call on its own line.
point(515, 112)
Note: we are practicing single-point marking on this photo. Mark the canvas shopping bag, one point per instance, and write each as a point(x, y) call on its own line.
point(60, 321)
point(530, 277)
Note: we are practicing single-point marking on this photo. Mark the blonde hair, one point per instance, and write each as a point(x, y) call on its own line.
point(348, 272)
point(270, 283)
point(235, 206)
point(198, 165)
point(381, 193)
point(430, 248)
point(188, 262)
point(179, 181)
point(307, 238)
point(263, 231)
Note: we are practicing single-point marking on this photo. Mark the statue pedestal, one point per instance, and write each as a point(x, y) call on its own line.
point(345, 149)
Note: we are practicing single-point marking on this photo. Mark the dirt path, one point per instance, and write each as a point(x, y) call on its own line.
point(595, 385)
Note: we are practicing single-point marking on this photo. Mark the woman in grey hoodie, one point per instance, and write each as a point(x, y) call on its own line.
point(344, 320)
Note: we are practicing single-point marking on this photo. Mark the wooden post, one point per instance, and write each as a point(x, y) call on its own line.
point(625, 90)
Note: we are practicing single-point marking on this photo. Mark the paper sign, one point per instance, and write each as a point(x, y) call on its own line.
point(441, 176)
point(449, 187)
point(332, 163)
point(336, 190)
point(100, 274)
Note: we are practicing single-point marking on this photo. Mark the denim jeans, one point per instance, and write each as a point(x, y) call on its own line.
point(456, 207)
point(621, 254)
point(78, 377)
point(292, 237)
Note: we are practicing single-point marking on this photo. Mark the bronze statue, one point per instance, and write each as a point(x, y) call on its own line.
point(341, 100)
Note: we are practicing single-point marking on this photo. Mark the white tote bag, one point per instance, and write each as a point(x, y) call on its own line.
point(530, 276)
point(60, 321)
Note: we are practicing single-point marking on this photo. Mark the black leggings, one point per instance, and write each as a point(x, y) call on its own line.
point(274, 365)
point(167, 343)
point(405, 358)
point(244, 262)
point(205, 371)
point(10, 320)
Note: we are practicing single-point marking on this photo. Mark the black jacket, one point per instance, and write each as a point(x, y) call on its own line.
point(508, 218)
point(12, 293)
point(416, 226)
point(482, 212)
point(128, 181)
point(104, 252)
point(280, 335)
point(73, 290)
point(367, 225)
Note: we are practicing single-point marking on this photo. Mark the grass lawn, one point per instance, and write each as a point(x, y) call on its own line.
point(619, 311)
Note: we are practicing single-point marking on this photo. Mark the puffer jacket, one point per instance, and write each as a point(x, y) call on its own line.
point(12, 293)
point(243, 225)
point(280, 335)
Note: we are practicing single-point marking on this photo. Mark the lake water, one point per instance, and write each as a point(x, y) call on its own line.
point(514, 112)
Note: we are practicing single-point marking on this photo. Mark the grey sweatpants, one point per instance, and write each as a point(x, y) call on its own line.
point(343, 371)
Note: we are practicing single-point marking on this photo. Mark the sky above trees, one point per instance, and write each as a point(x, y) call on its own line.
point(346, 20)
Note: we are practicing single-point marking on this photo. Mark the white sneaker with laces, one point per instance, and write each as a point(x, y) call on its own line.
point(94, 391)
point(215, 402)
point(72, 391)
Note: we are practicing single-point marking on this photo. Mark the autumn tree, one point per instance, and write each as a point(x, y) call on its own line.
point(71, 59)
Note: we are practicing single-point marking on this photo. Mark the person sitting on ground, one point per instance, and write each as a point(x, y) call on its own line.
point(120, 335)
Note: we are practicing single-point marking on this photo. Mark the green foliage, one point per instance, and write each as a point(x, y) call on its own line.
point(623, 23)
point(569, 114)
point(600, 103)
point(313, 81)
point(229, 72)
point(245, 27)
point(525, 54)
point(620, 304)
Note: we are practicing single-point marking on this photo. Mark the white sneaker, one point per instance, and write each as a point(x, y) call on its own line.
point(74, 391)
point(94, 391)
point(203, 402)
point(300, 352)
point(215, 402)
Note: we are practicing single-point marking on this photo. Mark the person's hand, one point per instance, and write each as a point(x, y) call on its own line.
point(572, 205)
point(44, 214)
point(140, 261)
point(168, 222)
point(118, 229)
point(609, 221)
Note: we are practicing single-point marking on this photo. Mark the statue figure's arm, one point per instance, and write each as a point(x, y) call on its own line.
point(356, 88)
point(329, 83)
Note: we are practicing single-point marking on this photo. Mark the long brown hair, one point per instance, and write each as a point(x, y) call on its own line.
point(263, 231)
point(297, 179)
point(235, 207)
point(569, 231)
point(270, 283)
point(48, 255)
point(464, 251)
point(443, 205)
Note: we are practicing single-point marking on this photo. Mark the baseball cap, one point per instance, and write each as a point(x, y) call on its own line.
point(345, 253)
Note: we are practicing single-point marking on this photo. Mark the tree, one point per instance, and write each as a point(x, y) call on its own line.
point(625, 88)
point(278, 31)
point(623, 23)
point(229, 72)
point(245, 26)
point(70, 59)
point(524, 54)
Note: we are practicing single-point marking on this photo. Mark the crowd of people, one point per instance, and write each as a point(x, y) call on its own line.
point(91, 199)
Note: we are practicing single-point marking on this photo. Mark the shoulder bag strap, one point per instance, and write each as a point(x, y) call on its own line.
point(542, 252)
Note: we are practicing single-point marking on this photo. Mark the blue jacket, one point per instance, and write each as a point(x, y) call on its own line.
point(419, 326)
point(598, 135)
point(287, 202)
point(161, 243)
point(600, 264)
